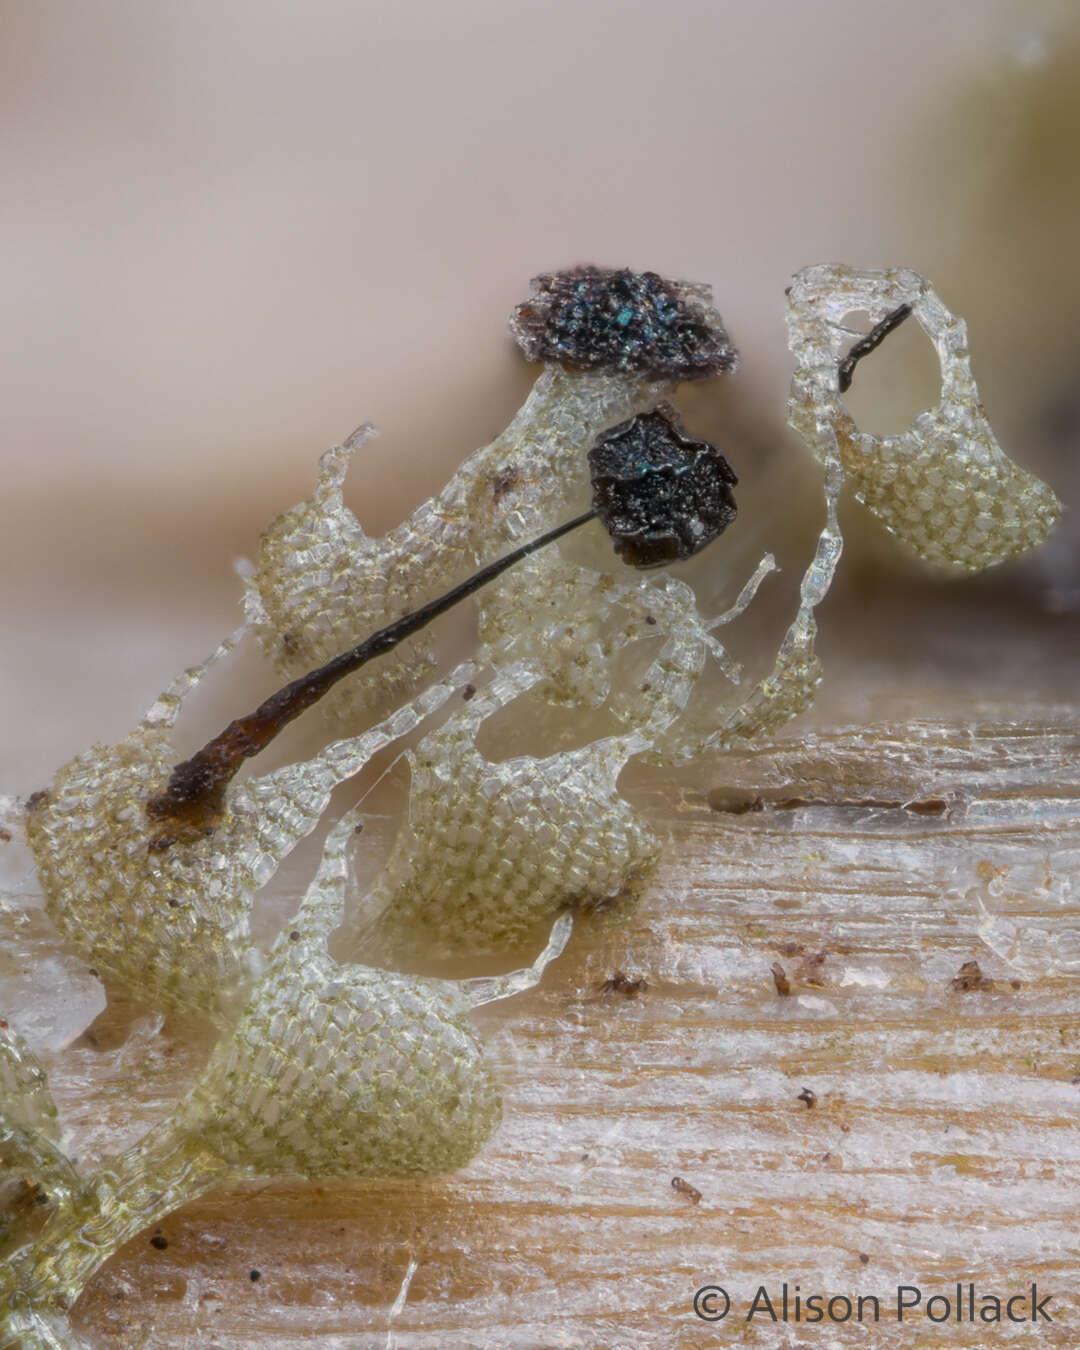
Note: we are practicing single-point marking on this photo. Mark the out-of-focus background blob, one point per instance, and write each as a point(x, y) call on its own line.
point(230, 233)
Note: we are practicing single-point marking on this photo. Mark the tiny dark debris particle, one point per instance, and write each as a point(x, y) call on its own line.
point(29, 1192)
point(927, 806)
point(660, 495)
point(809, 1096)
point(736, 802)
point(5, 835)
point(468, 692)
point(780, 979)
point(503, 482)
point(255, 1276)
point(970, 977)
point(159, 1242)
point(620, 983)
point(810, 969)
point(37, 799)
point(599, 318)
point(684, 1188)
point(294, 936)
point(864, 1258)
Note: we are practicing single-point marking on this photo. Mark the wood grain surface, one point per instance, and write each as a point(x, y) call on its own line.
point(884, 1122)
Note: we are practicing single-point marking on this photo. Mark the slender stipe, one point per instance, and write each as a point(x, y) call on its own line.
point(196, 791)
point(661, 496)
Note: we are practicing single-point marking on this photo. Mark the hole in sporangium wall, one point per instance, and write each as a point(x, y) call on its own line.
point(894, 383)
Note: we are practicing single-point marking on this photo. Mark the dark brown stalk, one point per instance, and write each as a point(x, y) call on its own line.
point(867, 344)
point(195, 796)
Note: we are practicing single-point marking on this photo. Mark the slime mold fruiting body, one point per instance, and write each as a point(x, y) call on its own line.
point(944, 487)
point(331, 1069)
point(172, 924)
point(321, 584)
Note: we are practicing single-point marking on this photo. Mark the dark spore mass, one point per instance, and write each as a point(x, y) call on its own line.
point(660, 495)
point(612, 319)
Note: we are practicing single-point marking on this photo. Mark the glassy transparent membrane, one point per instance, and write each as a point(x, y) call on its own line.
point(494, 850)
point(321, 584)
point(467, 879)
point(29, 1124)
point(331, 1071)
point(945, 487)
point(172, 924)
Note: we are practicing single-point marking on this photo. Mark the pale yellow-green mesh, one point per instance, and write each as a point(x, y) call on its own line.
point(341, 1070)
point(321, 584)
point(944, 486)
point(173, 925)
point(329, 1069)
point(463, 875)
point(491, 850)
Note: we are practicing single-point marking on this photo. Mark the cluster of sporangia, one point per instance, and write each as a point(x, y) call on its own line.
point(326, 1067)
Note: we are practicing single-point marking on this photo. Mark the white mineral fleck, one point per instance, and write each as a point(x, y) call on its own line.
point(47, 993)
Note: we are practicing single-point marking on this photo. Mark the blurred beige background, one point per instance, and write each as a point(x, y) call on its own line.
point(231, 231)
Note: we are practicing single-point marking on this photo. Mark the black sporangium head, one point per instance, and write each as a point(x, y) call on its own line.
point(660, 495)
point(612, 319)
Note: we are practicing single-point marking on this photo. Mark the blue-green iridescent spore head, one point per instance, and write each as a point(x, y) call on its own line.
point(615, 320)
point(660, 495)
